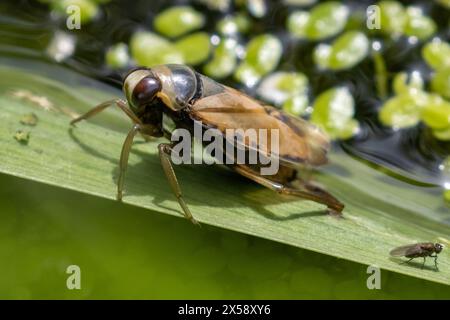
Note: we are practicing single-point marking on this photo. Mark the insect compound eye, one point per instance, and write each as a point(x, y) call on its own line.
point(438, 247)
point(145, 91)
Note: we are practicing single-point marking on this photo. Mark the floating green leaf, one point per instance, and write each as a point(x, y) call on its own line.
point(29, 119)
point(233, 24)
point(297, 23)
point(397, 20)
point(296, 105)
point(299, 2)
point(22, 136)
point(405, 108)
point(436, 114)
point(443, 135)
point(333, 111)
point(345, 52)
point(117, 56)
point(88, 9)
point(408, 84)
point(393, 17)
point(323, 21)
point(257, 8)
point(441, 82)
point(178, 20)
point(224, 60)
point(418, 25)
point(287, 89)
point(279, 86)
point(263, 55)
point(445, 3)
point(437, 54)
point(195, 48)
point(149, 49)
point(400, 112)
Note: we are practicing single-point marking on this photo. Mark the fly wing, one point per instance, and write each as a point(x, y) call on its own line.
point(406, 250)
point(299, 141)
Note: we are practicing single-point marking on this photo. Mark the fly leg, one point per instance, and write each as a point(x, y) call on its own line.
point(165, 151)
point(405, 262)
point(435, 261)
point(102, 106)
point(307, 192)
point(423, 264)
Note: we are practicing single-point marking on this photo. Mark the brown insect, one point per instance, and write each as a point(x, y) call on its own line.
point(185, 96)
point(417, 250)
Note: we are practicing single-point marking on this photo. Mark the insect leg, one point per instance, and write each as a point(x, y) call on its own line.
point(166, 162)
point(423, 264)
point(102, 106)
point(435, 261)
point(308, 192)
point(317, 194)
point(405, 262)
point(124, 158)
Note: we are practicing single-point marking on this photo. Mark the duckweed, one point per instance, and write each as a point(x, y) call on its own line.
point(286, 89)
point(117, 56)
point(149, 49)
point(234, 24)
point(396, 20)
point(88, 9)
point(224, 60)
point(323, 21)
point(437, 54)
point(345, 52)
point(29, 119)
point(333, 111)
point(22, 137)
point(418, 25)
point(400, 112)
point(441, 83)
point(195, 48)
point(178, 20)
point(263, 54)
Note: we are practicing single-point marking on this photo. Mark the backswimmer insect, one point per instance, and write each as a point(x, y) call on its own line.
point(417, 250)
point(185, 96)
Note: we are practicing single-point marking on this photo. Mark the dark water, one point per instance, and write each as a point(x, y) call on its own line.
point(412, 153)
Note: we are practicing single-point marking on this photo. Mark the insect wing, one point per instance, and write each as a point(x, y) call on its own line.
point(299, 141)
point(407, 250)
